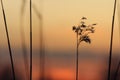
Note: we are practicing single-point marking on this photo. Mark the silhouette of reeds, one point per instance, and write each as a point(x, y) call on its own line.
point(22, 32)
point(8, 40)
point(82, 34)
point(111, 41)
point(42, 61)
point(30, 39)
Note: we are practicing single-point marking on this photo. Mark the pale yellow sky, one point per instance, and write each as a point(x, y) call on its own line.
point(58, 18)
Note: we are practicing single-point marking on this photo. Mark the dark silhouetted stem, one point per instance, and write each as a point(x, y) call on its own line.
point(77, 59)
point(8, 40)
point(117, 70)
point(111, 42)
point(30, 39)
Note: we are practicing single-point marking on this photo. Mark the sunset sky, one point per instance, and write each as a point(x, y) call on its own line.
point(58, 18)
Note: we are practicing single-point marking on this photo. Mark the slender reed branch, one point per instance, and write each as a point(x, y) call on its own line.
point(39, 15)
point(117, 70)
point(22, 32)
point(30, 39)
point(24, 50)
point(111, 42)
point(8, 40)
point(42, 53)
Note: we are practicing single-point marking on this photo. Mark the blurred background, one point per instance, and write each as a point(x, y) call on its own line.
point(53, 36)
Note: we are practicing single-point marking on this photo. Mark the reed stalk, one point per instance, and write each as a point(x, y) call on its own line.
point(30, 39)
point(22, 32)
point(8, 40)
point(111, 41)
point(42, 53)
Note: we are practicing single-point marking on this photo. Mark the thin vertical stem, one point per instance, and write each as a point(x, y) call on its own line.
point(42, 53)
point(24, 49)
point(117, 70)
point(30, 39)
point(8, 40)
point(77, 59)
point(111, 42)
point(22, 32)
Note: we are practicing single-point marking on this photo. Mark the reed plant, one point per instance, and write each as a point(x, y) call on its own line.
point(82, 35)
point(8, 41)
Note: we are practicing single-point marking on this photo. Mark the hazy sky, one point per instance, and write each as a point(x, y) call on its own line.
point(58, 18)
